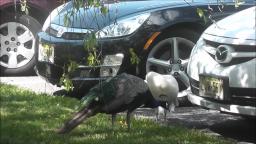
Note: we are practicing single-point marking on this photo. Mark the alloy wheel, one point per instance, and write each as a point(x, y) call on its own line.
point(170, 56)
point(17, 45)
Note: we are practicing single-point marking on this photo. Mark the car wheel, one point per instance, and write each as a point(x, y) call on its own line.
point(170, 56)
point(18, 44)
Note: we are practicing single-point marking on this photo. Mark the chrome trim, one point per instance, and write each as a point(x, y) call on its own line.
point(61, 30)
point(233, 41)
point(89, 79)
point(243, 54)
point(230, 53)
point(209, 49)
point(98, 66)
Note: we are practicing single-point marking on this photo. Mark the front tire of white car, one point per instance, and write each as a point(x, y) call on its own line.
point(18, 47)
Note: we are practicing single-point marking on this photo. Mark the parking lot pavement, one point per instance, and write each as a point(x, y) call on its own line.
point(33, 83)
point(209, 121)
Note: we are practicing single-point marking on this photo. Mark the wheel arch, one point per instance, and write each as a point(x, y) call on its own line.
point(168, 30)
point(34, 11)
point(196, 27)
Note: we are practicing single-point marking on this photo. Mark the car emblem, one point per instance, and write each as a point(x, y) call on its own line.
point(223, 54)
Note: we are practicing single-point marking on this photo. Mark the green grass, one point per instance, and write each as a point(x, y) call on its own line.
point(29, 118)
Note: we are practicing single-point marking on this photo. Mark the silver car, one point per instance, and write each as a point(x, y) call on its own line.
point(222, 65)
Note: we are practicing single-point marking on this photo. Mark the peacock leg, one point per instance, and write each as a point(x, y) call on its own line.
point(157, 114)
point(113, 120)
point(128, 120)
point(165, 114)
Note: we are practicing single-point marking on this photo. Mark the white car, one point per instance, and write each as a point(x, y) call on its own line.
point(222, 65)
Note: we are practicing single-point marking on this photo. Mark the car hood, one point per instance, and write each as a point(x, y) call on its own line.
point(91, 18)
point(240, 25)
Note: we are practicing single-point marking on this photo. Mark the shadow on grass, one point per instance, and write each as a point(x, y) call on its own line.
point(27, 118)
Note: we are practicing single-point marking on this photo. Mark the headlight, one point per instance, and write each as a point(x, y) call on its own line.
point(199, 45)
point(52, 15)
point(123, 27)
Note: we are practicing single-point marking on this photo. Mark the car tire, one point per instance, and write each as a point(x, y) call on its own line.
point(19, 45)
point(163, 59)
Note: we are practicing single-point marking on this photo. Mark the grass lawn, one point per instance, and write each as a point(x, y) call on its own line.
point(29, 118)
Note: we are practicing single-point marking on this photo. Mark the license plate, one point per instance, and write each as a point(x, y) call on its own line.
point(211, 86)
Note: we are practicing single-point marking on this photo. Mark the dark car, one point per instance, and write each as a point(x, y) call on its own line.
point(162, 33)
point(18, 33)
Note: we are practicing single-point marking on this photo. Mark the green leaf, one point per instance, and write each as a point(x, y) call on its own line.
point(66, 82)
point(91, 59)
point(134, 59)
point(77, 4)
point(66, 20)
point(90, 2)
point(91, 42)
point(200, 12)
point(47, 49)
point(72, 66)
point(97, 3)
point(104, 10)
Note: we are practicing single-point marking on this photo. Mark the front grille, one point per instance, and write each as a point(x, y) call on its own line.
point(74, 36)
point(237, 48)
point(63, 54)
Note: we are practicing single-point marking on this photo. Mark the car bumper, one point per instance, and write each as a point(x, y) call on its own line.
point(111, 48)
point(229, 108)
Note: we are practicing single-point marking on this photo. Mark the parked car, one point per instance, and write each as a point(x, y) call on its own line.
point(222, 66)
point(18, 33)
point(161, 32)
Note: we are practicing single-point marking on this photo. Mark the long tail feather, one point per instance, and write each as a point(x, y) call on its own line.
point(77, 119)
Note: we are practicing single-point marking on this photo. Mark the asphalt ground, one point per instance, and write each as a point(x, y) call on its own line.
point(212, 122)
